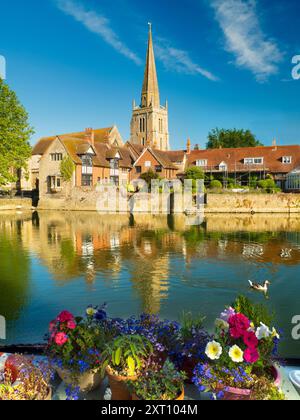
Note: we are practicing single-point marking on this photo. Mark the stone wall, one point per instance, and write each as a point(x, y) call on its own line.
point(253, 203)
point(15, 204)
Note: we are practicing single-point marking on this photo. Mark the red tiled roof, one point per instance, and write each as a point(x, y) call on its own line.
point(234, 158)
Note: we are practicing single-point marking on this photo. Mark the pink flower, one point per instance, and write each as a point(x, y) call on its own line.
point(65, 316)
point(239, 324)
point(52, 326)
point(71, 325)
point(251, 355)
point(250, 340)
point(61, 339)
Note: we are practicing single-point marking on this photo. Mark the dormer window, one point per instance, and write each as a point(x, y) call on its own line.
point(201, 163)
point(287, 160)
point(254, 161)
point(223, 166)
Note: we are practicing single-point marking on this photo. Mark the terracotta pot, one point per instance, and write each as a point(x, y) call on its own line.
point(87, 382)
point(238, 394)
point(118, 386)
point(180, 398)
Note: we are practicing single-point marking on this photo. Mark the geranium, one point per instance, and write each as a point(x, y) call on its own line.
point(71, 325)
point(251, 355)
point(236, 354)
point(65, 316)
point(250, 339)
point(61, 339)
point(214, 350)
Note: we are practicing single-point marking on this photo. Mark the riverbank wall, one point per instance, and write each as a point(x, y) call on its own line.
point(229, 203)
point(8, 204)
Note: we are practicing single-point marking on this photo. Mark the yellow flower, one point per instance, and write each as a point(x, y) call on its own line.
point(90, 311)
point(236, 354)
point(213, 350)
point(275, 334)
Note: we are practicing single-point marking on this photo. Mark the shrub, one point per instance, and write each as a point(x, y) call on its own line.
point(215, 185)
point(194, 173)
point(67, 168)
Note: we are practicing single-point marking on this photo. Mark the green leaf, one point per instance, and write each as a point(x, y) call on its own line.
point(131, 366)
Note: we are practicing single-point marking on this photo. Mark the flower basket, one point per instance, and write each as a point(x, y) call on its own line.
point(118, 385)
point(86, 382)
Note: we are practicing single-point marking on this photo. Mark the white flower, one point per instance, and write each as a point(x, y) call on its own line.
point(213, 350)
point(263, 332)
point(236, 354)
point(223, 325)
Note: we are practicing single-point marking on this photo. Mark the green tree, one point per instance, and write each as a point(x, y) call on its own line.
point(215, 184)
point(67, 168)
point(15, 133)
point(194, 172)
point(149, 176)
point(221, 138)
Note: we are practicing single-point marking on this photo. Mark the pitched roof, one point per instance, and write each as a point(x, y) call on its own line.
point(101, 136)
point(234, 158)
point(175, 155)
point(160, 156)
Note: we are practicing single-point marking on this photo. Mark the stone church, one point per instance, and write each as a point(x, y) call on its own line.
point(149, 124)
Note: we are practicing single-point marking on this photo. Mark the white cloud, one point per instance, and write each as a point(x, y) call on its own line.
point(245, 38)
point(97, 24)
point(179, 60)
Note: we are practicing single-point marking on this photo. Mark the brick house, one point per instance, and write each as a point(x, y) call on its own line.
point(243, 163)
point(98, 155)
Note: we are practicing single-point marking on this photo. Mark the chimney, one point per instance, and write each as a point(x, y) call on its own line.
point(197, 147)
point(188, 147)
point(90, 136)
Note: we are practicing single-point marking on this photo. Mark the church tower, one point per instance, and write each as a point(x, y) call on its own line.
point(149, 124)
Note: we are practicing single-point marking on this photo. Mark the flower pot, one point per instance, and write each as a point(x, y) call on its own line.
point(180, 398)
point(188, 367)
point(238, 394)
point(118, 385)
point(87, 382)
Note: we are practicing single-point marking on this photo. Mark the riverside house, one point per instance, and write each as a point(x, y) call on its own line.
point(98, 155)
point(244, 163)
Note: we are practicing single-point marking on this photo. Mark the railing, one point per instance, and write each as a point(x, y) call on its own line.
point(235, 168)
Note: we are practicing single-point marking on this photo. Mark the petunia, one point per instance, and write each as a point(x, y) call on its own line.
point(263, 332)
point(228, 313)
point(236, 354)
point(251, 355)
point(65, 316)
point(213, 350)
point(71, 325)
point(250, 339)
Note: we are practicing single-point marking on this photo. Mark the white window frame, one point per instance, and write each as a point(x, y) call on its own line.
point(287, 160)
point(253, 161)
point(201, 163)
point(148, 164)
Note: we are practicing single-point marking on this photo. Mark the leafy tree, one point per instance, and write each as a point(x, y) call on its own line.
point(194, 172)
point(149, 176)
point(67, 168)
point(231, 139)
point(15, 133)
point(269, 185)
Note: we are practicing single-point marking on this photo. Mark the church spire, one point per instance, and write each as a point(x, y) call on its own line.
point(150, 92)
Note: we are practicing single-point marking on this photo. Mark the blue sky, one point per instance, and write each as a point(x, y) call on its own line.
point(221, 63)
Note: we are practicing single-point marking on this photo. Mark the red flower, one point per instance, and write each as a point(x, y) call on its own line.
point(52, 326)
point(65, 316)
point(250, 340)
point(251, 355)
point(239, 324)
point(61, 339)
point(71, 325)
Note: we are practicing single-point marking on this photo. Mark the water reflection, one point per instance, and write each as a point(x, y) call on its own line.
point(55, 260)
